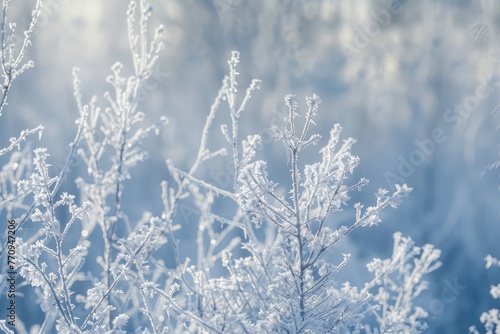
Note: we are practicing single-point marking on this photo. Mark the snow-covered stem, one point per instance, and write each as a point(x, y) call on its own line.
point(230, 92)
point(16, 142)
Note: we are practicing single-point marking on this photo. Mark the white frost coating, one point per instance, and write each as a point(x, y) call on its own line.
point(268, 264)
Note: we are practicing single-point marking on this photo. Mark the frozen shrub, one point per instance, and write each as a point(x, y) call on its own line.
point(287, 282)
point(270, 267)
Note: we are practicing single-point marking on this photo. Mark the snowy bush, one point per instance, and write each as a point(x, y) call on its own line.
point(269, 267)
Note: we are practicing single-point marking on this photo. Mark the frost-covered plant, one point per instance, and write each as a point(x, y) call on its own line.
point(191, 282)
point(112, 139)
point(287, 283)
point(108, 141)
point(43, 262)
point(298, 282)
point(268, 267)
point(400, 281)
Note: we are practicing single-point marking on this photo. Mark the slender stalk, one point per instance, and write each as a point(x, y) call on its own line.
point(298, 226)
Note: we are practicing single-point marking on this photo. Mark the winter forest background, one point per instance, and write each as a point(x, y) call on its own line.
point(417, 89)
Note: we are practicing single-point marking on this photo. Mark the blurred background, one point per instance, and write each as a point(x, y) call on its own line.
point(417, 83)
